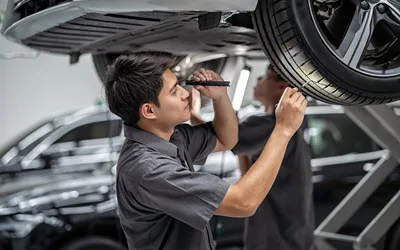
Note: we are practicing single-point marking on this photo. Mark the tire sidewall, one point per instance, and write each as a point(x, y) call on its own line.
point(335, 70)
point(93, 241)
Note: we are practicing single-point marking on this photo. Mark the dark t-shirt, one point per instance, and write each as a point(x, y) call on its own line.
point(285, 219)
point(163, 203)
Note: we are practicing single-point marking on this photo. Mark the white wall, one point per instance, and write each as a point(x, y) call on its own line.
point(32, 89)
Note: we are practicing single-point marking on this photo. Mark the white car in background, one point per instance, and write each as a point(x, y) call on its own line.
point(337, 51)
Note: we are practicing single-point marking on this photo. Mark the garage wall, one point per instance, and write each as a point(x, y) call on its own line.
point(32, 89)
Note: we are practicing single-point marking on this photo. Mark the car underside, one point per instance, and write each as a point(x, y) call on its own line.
point(337, 51)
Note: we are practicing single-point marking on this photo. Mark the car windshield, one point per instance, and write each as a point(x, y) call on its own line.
point(25, 142)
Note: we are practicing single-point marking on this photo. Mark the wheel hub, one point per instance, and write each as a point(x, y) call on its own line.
point(366, 39)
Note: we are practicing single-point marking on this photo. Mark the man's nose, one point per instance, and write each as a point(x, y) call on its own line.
point(185, 94)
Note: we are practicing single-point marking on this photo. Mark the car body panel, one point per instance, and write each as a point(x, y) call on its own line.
point(55, 209)
point(28, 154)
point(67, 11)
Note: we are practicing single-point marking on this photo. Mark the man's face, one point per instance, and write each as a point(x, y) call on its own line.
point(174, 103)
point(269, 89)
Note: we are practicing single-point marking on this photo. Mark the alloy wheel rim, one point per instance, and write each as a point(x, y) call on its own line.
point(365, 39)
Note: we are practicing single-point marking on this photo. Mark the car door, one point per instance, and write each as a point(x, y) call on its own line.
point(86, 146)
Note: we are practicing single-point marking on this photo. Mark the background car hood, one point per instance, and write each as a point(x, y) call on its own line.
point(73, 194)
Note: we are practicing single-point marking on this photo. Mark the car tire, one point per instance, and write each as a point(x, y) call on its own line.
point(94, 242)
point(291, 40)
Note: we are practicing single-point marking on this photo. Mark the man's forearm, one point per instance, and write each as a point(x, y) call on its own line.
point(257, 181)
point(225, 122)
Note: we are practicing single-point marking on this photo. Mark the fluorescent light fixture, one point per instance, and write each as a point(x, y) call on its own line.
point(240, 88)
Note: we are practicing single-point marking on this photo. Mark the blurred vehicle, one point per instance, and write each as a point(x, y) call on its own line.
point(57, 186)
point(77, 212)
point(68, 199)
point(71, 143)
point(343, 52)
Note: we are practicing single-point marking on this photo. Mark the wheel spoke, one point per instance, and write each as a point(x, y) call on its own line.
point(357, 37)
point(395, 9)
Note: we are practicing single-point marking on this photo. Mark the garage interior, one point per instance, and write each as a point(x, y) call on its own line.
point(60, 142)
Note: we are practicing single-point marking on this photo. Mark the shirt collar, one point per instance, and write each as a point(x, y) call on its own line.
point(151, 140)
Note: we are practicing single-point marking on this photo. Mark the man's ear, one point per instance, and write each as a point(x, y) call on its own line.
point(147, 111)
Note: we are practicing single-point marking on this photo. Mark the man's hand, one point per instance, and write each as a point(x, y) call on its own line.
point(290, 111)
point(214, 92)
point(225, 121)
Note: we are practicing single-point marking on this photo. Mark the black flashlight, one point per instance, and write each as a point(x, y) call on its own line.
point(208, 83)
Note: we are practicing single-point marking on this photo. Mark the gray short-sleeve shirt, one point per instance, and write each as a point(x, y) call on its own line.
point(163, 203)
point(285, 219)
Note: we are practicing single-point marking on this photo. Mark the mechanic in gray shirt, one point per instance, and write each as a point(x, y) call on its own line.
point(163, 203)
point(285, 219)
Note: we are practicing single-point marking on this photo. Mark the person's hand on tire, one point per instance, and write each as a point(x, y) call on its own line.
point(290, 111)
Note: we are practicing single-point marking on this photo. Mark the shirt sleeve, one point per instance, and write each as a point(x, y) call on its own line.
point(190, 197)
point(253, 135)
point(200, 140)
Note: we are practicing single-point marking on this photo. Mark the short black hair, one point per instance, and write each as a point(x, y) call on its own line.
point(134, 79)
point(278, 76)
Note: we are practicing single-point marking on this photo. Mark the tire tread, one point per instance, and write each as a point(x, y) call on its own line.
point(277, 33)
